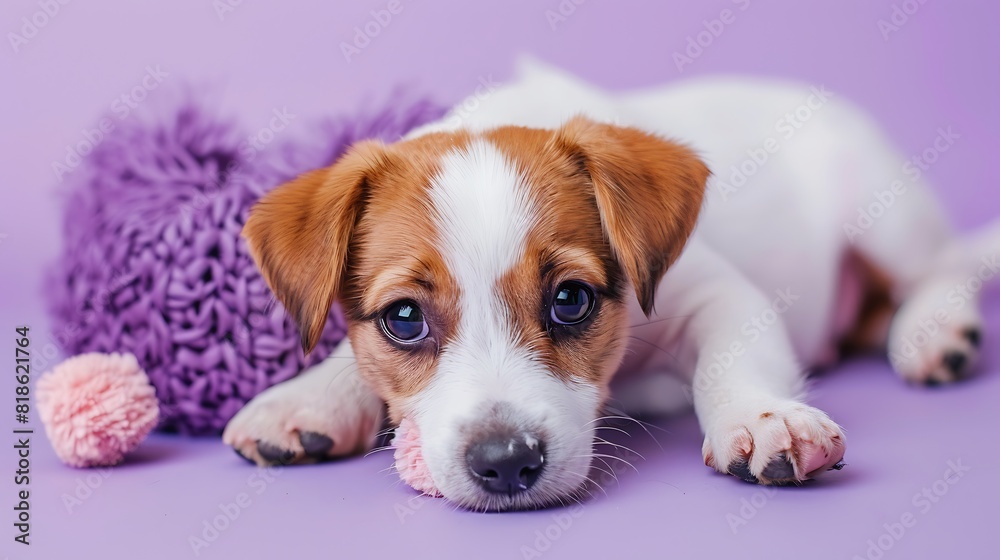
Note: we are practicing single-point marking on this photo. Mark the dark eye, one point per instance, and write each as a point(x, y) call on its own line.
point(404, 322)
point(572, 303)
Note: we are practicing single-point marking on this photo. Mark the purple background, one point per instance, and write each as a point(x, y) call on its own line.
point(939, 69)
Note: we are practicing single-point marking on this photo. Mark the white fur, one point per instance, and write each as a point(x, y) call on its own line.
point(482, 214)
point(757, 285)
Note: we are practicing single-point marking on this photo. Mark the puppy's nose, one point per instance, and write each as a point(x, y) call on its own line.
point(506, 465)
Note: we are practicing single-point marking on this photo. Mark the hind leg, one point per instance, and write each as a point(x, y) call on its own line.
point(935, 333)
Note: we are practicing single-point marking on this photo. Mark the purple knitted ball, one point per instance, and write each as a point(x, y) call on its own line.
point(154, 264)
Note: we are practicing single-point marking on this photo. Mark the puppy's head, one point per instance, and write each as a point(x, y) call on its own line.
point(485, 279)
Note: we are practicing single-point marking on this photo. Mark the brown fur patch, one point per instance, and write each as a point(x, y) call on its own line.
point(870, 329)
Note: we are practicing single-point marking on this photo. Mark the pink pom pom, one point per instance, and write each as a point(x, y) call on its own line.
point(410, 459)
point(96, 408)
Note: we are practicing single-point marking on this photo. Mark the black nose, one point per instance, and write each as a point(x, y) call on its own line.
point(506, 465)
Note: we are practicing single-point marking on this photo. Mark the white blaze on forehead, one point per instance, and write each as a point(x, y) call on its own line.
point(483, 213)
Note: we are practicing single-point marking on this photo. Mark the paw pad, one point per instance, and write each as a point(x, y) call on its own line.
point(315, 444)
point(274, 454)
point(974, 336)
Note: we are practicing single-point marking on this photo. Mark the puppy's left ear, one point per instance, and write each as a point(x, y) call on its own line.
point(649, 193)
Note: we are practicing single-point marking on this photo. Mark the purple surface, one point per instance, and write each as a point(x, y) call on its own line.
point(939, 69)
point(154, 265)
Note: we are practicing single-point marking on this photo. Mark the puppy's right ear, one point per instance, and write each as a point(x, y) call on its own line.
point(299, 233)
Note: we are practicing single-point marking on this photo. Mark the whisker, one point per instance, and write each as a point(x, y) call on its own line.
point(575, 499)
point(589, 480)
point(613, 473)
point(603, 441)
point(378, 450)
point(620, 415)
point(614, 457)
point(609, 473)
point(614, 429)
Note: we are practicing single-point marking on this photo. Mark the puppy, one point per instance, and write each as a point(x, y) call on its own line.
point(500, 267)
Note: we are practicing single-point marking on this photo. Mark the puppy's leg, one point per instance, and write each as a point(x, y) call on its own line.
point(934, 336)
point(326, 411)
point(745, 388)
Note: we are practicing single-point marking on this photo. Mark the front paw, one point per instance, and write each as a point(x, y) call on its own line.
point(773, 445)
point(278, 433)
point(301, 422)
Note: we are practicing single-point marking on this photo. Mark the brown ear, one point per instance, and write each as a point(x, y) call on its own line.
point(649, 193)
point(298, 235)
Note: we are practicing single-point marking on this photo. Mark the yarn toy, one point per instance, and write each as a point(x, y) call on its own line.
point(96, 408)
point(410, 459)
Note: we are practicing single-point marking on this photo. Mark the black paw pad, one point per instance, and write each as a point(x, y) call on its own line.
point(740, 468)
point(974, 336)
point(315, 444)
point(780, 468)
point(955, 362)
point(244, 457)
point(274, 454)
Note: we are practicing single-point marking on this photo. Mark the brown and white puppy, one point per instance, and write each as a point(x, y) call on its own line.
point(494, 276)
point(517, 323)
